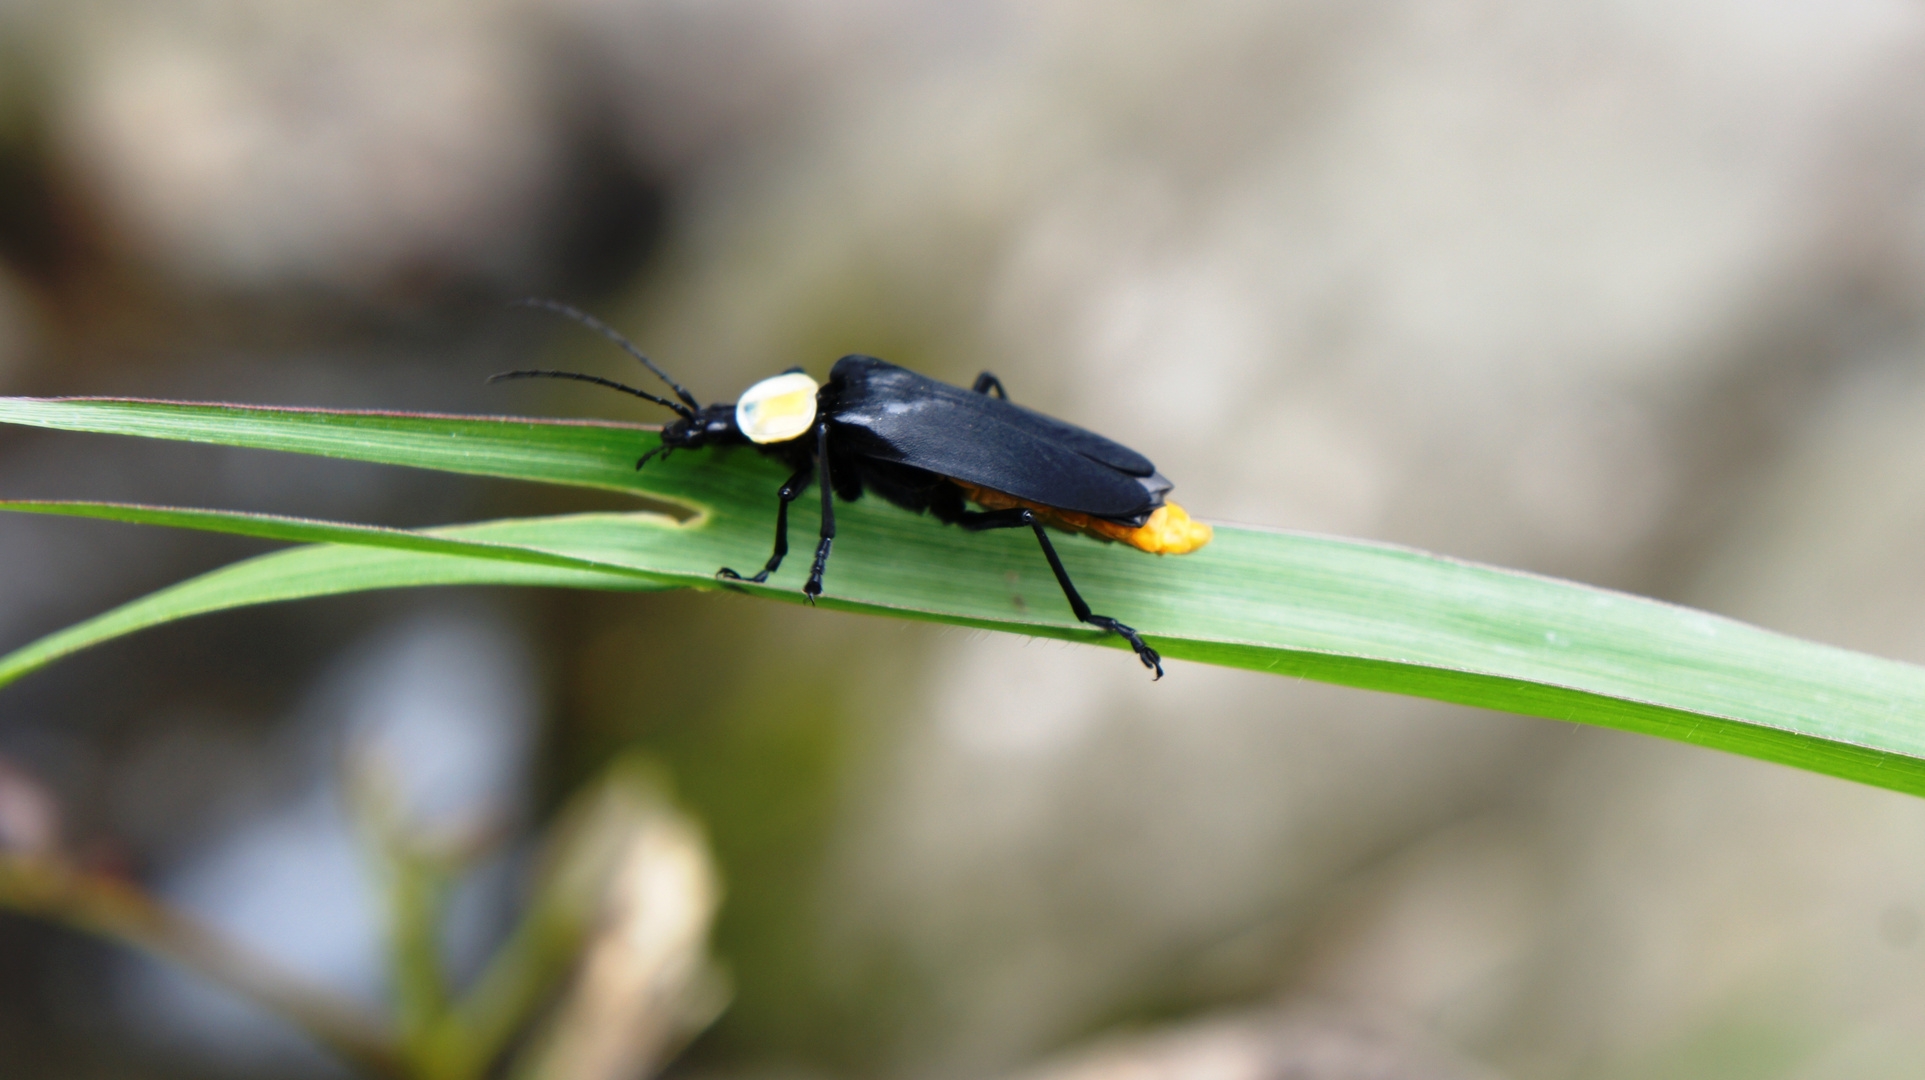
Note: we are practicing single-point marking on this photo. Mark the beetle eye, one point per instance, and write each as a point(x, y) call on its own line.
point(777, 409)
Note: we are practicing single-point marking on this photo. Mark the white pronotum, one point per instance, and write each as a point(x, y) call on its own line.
point(777, 409)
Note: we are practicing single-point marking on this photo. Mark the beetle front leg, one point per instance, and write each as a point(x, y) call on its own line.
point(795, 486)
point(813, 587)
point(979, 520)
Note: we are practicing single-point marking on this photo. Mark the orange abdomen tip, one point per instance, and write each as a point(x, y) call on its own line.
point(1168, 531)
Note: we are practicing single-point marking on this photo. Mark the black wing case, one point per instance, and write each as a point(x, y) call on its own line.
point(893, 414)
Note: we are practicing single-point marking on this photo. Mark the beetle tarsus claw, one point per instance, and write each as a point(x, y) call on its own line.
point(813, 588)
point(1150, 657)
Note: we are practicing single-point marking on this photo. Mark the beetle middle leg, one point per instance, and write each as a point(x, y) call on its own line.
point(813, 587)
point(987, 382)
point(980, 520)
point(791, 490)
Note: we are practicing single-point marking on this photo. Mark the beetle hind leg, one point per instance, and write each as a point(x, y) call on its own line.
point(987, 382)
point(980, 520)
point(790, 491)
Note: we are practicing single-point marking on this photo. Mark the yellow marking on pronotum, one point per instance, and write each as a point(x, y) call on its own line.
point(777, 409)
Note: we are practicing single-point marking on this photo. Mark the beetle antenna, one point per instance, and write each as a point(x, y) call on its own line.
point(681, 410)
point(611, 334)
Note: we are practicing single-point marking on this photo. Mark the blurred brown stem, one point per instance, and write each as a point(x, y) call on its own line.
point(53, 889)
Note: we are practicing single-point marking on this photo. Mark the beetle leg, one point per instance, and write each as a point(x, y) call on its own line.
point(987, 382)
point(979, 520)
point(796, 485)
point(813, 587)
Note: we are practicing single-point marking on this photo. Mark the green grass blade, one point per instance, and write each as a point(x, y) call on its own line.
point(598, 454)
point(314, 531)
point(323, 570)
point(1343, 611)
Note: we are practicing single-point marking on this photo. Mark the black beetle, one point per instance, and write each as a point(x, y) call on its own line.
point(925, 446)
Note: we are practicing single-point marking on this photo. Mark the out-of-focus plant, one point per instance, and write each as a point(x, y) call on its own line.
point(1343, 611)
point(604, 975)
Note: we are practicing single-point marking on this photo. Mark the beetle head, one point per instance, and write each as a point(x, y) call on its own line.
point(714, 425)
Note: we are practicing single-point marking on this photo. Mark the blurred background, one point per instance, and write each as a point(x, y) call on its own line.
point(1622, 291)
